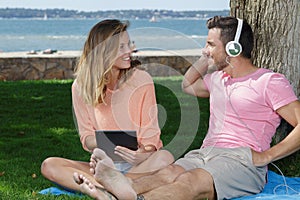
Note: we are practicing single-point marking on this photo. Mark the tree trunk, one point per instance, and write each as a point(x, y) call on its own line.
point(276, 26)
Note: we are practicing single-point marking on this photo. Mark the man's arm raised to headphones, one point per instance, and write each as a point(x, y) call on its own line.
point(193, 83)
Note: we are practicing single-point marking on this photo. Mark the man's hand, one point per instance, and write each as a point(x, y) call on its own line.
point(260, 159)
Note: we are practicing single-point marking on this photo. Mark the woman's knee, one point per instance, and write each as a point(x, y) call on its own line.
point(49, 165)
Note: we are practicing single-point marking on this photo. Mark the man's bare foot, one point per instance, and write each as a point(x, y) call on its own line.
point(111, 179)
point(97, 156)
point(86, 187)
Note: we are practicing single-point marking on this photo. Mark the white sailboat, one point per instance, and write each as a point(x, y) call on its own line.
point(153, 19)
point(45, 16)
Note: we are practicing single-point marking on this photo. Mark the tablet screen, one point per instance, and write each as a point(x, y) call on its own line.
point(107, 140)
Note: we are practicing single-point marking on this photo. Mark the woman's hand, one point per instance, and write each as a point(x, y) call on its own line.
point(135, 157)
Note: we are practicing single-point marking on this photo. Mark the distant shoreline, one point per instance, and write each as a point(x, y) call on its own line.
point(70, 18)
point(23, 13)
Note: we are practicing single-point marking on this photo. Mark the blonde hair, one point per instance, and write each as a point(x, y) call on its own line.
point(94, 68)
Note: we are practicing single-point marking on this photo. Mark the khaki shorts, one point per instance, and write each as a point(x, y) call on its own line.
point(232, 170)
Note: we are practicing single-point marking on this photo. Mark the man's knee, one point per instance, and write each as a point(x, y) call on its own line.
point(170, 173)
point(199, 183)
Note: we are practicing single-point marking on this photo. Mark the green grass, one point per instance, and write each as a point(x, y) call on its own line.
point(36, 122)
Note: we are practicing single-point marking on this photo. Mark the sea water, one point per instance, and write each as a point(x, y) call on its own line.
point(70, 34)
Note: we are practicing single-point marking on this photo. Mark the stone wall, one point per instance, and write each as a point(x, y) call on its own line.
point(60, 65)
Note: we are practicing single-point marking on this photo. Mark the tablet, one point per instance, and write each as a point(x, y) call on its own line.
point(107, 140)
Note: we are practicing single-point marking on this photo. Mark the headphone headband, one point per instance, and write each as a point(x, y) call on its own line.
point(238, 30)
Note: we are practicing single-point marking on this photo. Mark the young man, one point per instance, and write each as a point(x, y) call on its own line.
point(246, 106)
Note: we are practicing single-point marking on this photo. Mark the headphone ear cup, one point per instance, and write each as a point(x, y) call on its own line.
point(233, 48)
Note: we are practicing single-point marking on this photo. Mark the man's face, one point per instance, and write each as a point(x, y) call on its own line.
point(216, 48)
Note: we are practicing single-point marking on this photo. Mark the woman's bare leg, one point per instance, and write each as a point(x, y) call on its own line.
point(60, 171)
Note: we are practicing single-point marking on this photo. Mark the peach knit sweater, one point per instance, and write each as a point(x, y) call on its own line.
point(131, 107)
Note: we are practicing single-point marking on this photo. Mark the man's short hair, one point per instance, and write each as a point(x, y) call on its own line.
point(228, 26)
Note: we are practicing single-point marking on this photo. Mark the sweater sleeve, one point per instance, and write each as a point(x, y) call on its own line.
point(81, 117)
point(148, 131)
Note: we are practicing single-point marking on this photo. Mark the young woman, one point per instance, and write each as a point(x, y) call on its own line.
point(111, 93)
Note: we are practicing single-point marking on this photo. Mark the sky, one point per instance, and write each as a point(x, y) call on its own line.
point(96, 5)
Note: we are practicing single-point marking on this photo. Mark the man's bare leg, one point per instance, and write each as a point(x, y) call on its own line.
point(111, 179)
point(88, 188)
point(194, 184)
point(172, 182)
point(162, 177)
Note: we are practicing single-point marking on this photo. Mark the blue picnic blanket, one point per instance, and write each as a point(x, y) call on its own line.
point(59, 191)
point(278, 188)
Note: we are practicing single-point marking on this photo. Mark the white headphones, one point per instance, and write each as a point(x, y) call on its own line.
point(234, 48)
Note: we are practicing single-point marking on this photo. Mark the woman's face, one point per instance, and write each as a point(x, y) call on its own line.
point(123, 57)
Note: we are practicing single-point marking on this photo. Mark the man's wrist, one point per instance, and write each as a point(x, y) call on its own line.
point(140, 197)
point(201, 66)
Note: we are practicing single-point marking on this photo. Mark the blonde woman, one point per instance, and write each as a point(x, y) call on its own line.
point(111, 93)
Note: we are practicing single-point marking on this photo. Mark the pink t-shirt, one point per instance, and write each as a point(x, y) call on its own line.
point(243, 110)
point(131, 107)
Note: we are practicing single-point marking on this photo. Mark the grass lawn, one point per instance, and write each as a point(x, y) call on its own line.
point(36, 122)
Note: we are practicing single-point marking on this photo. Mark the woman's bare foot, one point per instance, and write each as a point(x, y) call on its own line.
point(111, 179)
point(97, 156)
point(86, 187)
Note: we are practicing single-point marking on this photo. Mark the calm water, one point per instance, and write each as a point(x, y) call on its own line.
point(70, 34)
